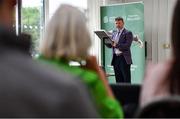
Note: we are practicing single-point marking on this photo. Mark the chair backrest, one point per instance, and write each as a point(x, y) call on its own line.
point(126, 93)
point(163, 108)
point(128, 96)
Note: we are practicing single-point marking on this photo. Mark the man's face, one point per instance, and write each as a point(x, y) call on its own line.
point(7, 12)
point(119, 24)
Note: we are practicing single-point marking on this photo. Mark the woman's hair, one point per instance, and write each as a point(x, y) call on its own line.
point(174, 75)
point(66, 35)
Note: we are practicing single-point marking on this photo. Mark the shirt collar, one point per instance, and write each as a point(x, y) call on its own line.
point(120, 30)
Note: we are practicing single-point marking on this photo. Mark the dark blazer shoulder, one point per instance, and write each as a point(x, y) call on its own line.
point(127, 31)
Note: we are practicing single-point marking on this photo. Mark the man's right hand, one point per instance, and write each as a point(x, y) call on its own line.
point(113, 44)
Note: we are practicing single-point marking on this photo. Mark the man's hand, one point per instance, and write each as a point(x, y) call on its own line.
point(114, 44)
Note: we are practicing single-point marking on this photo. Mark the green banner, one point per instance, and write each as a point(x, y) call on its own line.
point(133, 14)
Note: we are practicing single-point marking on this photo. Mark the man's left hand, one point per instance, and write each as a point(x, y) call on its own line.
point(114, 44)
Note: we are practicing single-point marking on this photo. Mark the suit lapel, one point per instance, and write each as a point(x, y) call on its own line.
point(122, 34)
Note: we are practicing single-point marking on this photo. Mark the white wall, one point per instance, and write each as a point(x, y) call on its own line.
point(94, 24)
point(158, 14)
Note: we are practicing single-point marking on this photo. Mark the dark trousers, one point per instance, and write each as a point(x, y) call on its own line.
point(122, 70)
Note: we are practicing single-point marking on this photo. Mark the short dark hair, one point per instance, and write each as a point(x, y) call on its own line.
point(173, 77)
point(1, 1)
point(13, 3)
point(119, 19)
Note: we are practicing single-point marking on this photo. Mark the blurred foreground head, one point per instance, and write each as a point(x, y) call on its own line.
point(66, 35)
point(174, 75)
point(7, 12)
point(176, 31)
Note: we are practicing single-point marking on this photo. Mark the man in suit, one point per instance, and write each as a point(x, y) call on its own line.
point(32, 90)
point(121, 61)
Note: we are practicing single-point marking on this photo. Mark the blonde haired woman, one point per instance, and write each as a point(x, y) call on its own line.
point(67, 39)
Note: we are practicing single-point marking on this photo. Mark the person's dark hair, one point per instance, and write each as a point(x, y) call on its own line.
point(119, 19)
point(26, 42)
point(1, 1)
point(12, 2)
point(174, 74)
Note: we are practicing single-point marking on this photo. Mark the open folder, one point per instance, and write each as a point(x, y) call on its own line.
point(104, 36)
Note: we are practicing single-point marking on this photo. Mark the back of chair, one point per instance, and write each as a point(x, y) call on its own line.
point(128, 96)
point(164, 108)
point(126, 93)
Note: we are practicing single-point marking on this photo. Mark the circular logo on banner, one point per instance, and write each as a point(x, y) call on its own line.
point(106, 19)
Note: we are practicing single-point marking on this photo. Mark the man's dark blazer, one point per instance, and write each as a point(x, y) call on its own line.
point(124, 45)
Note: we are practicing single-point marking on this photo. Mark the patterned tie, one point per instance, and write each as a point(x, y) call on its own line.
point(117, 37)
point(117, 51)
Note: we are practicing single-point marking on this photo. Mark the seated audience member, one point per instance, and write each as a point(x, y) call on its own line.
point(163, 79)
point(67, 39)
point(32, 90)
point(26, 41)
